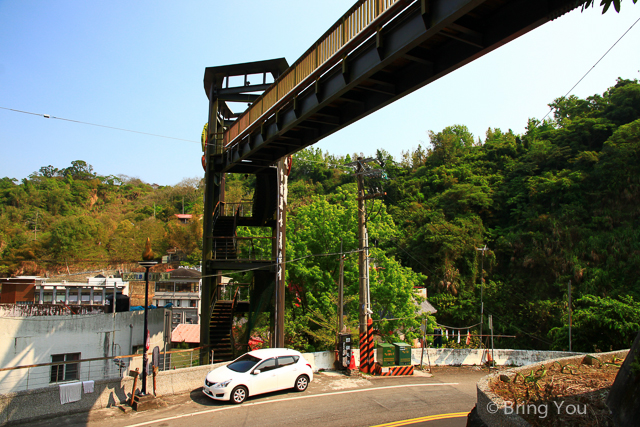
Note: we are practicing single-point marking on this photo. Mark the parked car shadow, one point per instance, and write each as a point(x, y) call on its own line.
point(197, 396)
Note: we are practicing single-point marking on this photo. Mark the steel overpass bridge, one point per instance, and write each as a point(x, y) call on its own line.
point(376, 53)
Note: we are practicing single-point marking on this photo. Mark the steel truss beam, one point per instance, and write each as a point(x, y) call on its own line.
point(426, 41)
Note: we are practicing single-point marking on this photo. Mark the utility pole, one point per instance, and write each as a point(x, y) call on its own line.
point(493, 360)
point(364, 299)
point(35, 230)
point(483, 249)
point(366, 269)
point(341, 292)
point(361, 255)
point(569, 315)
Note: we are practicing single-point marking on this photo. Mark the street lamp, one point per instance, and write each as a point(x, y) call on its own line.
point(147, 263)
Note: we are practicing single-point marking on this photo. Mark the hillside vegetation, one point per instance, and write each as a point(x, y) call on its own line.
point(559, 204)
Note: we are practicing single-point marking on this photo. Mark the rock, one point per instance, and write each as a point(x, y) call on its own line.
point(590, 360)
point(505, 378)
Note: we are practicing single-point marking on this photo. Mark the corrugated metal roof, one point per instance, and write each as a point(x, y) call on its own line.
point(186, 333)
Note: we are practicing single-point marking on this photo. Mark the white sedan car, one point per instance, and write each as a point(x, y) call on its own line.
point(257, 372)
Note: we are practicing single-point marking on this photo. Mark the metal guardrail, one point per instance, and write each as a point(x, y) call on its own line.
point(253, 248)
point(241, 209)
point(231, 291)
point(30, 377)
point(362, 19)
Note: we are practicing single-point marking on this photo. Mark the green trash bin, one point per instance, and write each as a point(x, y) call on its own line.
point(385, 354)
point(403, 353)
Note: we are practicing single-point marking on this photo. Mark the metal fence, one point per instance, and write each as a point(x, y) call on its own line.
point(227, 292)
point(30, 377)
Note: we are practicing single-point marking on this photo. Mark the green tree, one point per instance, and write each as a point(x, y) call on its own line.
point(606, 4)
point(599, 324)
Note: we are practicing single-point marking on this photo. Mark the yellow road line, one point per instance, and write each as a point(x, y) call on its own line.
point(423, 419)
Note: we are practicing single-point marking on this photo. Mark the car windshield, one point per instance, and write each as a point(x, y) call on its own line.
point(243, 363)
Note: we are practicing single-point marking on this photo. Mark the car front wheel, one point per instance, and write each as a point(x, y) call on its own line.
point(239, 394)
point(302, 382)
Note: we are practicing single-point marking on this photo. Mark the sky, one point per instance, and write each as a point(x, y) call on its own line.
point(140, 66)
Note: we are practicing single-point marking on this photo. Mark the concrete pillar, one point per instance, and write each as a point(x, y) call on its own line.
point(91, 295)
point(104, 295)
point(79, 295)
point(41, 295)
point(66, 295)
point(53, 297)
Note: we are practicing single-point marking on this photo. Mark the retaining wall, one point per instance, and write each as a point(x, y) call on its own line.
point(491, 407)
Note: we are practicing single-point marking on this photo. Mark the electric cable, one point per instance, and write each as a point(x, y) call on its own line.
point(594, 66)
point(453, 327)
point(270, 265)
point(521, 330)
point(47, 116)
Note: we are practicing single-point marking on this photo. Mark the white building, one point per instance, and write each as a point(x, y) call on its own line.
point(182, 289)
point(92, 292)
point(47, 339)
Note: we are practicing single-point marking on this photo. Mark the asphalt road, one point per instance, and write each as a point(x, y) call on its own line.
point(332, 399)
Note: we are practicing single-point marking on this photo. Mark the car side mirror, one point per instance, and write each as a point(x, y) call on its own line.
point(256, 372)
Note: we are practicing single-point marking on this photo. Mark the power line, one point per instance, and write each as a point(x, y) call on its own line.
point(210, 275)
point(594, 66)
point(48, 116)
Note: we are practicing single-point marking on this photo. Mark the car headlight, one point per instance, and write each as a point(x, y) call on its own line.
point(222, 384)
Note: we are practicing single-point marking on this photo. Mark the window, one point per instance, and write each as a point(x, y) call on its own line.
point(243, 363)
point(67, 371)
point(183, 287)
point(287, 360)
point(267, 365)
point(164, 287)
point(193, 303)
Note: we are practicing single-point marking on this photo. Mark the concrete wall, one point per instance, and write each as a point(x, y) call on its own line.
point(468, 356)
point(32, 340)
point(45, 402)
point(29, 310)
point(449, 356)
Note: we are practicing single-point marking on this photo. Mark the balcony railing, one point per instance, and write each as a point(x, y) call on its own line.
point(30, 377)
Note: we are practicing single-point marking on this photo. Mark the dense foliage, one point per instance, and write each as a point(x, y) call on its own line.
point(75, 217)
point(558, 206)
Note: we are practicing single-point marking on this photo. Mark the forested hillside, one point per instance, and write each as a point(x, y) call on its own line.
point(73, 217)
point(559, 204)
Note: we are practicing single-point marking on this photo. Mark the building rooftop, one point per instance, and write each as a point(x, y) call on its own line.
point(186, 333)
point(184, 273)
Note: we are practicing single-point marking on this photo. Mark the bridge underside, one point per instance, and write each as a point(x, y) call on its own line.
point(424, 42)
point(416, 44)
